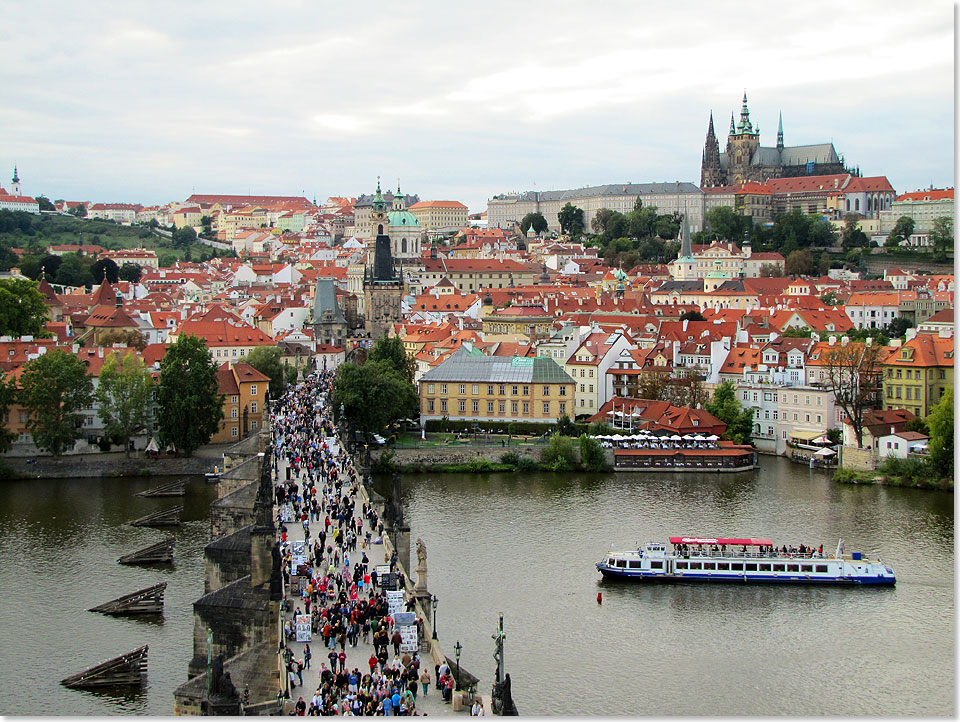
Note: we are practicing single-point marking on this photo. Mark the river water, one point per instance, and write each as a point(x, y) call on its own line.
point(526, 544)
point(59, 544)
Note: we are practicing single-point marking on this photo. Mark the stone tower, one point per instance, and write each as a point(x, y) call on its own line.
point(711, 173)
point(383, 291)
point(15, 183)
point(742, 143)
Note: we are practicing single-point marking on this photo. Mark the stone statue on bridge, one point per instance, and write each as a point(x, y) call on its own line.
point(420, 588)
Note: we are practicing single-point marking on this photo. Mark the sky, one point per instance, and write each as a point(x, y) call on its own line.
point(148, 102)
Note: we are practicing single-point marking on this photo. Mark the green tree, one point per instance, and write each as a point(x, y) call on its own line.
point(105, 268)
point(830, 298)
point(571, 219)
point(130, 272)
point(44, 203)
point(592, 457)
point(183, 237)
point(266, 360)
point(391, 350)
point(725, 407)
point(771, 270)
point(191, 405)
point(79, 210)
point(536, 220)
point(22, 308)
point(50, 266)
point(55, 388)
point(207, 225)
point(897, 328)
point(30, 267)
point(942, 236)
point(8, 390)
point(123, 396)
point(559, 453)
point(600, 220)
point(74, 271)
point(727, 224)
point(374, 395)
point(565, 426)
point(902, 230)
point(940, 422)
point(692, 316)
point(917, 424)
point(799, 263)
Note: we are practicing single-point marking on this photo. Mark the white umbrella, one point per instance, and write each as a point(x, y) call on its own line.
point(824, 452)
point(689, 437)
point(712, 437)
point(675, 437)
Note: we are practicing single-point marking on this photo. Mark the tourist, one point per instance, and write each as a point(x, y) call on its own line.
point(425, 680)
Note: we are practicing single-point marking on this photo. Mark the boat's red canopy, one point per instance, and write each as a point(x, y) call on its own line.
point(715, 540)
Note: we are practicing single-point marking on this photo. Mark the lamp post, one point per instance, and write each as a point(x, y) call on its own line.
point(457, 649)
point(434, 600)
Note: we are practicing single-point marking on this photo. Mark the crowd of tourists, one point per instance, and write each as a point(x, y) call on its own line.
point(336, 587)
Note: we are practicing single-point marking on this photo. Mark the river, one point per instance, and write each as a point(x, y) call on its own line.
point(526, 544)
point(59, 544)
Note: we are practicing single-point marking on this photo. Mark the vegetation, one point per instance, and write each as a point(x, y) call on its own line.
point(391, 351)
point(55, 389)
point(559, 454)
point(941, 237)
point(940, 422)
point(8, 390)
point(374, 395)
point(536, 220)
point(124, 395)
point(853, 376)
point(191, 405)
point(22, 309)
point(592, 457)
point(105, 268)
point(571, 220)
point(725, 407)
point(902, 230)
point(266, 360)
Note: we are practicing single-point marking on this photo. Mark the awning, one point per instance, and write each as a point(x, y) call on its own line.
point(805, 435)
point(713, 540)
point(824, 452)
point(152, 446)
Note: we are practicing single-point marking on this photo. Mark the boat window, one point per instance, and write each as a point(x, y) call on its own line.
point(695, 565)
point(806, 568)
point(736, 566)
point(709, 565)
point(621, 562)
point(634, 565)
point(779, 568)
point(656, 565)
point(822, 568)
point(681, 565)
point(793, 567)
point(763, 567)
point(723, 566)
point(751, 567)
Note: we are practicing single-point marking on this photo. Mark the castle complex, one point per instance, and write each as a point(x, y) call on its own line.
point(746, 160)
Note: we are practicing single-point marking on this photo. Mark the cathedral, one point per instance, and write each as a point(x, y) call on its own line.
point(746, 160)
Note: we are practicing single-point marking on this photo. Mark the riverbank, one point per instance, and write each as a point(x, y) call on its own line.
point(875, 478)
point(111, 464)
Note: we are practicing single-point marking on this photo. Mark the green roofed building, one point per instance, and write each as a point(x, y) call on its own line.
point(468, 387)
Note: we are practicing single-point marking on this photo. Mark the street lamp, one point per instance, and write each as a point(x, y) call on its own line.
point(434, 600)
point(457, 648)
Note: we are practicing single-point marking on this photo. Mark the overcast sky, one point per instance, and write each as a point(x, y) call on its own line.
point(150, 101)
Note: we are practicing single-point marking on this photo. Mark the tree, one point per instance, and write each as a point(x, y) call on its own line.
point(536, 220)
point(50, 266)
point(727, 224)
point(942, 236)
point(559, 454)
point(55, 389)
point(8, 390)
point(129, 337)
point(391, 350)
point(725, 407)
point(902, 230)
point(571, 219)
point(79, 210)
point(853, 376)
point(600, 220)
point(130, 272)
point(917, 424)
point(592, 457)
point(207, 225)
point(565, 426)
point(191, 405)
point(897, 328)
point(266, 360)
point(183, 237)
point(940, 422)
point(830, 298)
point(799, 263)
point(374, 395)
point(74, 271)
point(105, 268)
point(770, 270)
point(692, 316)
point(23, 311)
point(124, 395)
point(44, 204)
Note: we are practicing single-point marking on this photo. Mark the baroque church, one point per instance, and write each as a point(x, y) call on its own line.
point(746, 160)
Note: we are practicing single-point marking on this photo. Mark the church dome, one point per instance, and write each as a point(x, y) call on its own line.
point(402, 219)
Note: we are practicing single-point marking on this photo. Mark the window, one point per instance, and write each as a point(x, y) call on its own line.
point(779, 567)
point(253, 389)
point(633, 565)
point(750, 567)
point(526, 390)
point(253, 407)
point(763, 567)
point(709, 566)
point(695, 565)
point(562, 389)
point(821, 568)
point(514, 390)
point(723, 566)
point(526, 408)
point(736, 567)
point(234, 431)
point(582, 388)
point(546, 408)
point(462, 406)
point(443, 405)
point(463, 389)
point(502, 406)
point(806, 568)
point(443, 389)
point(489, 389)
point(546, 390)
point(563, 407)
point(235, 399)
point(502, 389)
point(429, 404)
point(476, 407)
point(430, 388)
point(253, 424)
point(476, 389)
point(656, 565)
point(234, 413)
point(489, 407)
point(793, 567)
point(681, 565)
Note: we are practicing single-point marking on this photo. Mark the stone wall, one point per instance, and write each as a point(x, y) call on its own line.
point(241, 473)
point(233, 512)
point(226, 560)
point(861, 459)
point(99, 465)
point(429, 455)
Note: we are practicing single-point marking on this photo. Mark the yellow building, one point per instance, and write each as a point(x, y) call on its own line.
point(440, 214)
point(530, 321)
point(472, 387)
point(187, 216)
point(916, 375)
point(472, 274)
point(244, 392)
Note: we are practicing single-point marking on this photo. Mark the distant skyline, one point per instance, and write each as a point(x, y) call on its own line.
point(149, 103)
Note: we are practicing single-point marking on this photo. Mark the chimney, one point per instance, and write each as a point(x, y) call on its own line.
point(844, 340)
point(833, 340)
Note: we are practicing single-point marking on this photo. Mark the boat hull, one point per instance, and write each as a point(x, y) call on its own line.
point(633, 576)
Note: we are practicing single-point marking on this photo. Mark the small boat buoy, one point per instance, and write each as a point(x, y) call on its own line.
point(599, 597)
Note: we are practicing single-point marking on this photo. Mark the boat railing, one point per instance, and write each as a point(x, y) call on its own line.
point(775, 554)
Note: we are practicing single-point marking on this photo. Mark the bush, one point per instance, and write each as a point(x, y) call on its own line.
point(559, 454)
point(913, 468)
point(385, 464)
point(592, 456)
point(479, 465)
point(845, 475)
point(525, 463)
point(511, 457)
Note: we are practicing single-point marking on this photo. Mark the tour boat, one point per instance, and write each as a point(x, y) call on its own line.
point(708, 559)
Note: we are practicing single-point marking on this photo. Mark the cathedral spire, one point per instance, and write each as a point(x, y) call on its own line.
point(745, 126)
point(686, 248)
point(733, 128)
point(710, 127)
point(780, 134)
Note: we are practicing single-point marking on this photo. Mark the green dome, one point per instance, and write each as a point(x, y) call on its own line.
point(402, 218)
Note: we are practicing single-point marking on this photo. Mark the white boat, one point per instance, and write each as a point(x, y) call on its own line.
point(714, 559)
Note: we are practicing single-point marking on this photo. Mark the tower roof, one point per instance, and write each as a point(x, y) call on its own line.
point(16, 179)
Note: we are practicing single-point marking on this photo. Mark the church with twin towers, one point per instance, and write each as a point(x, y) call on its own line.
point(744, 159)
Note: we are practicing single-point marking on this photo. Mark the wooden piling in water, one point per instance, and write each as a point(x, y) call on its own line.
point(144, 601)
point(159, 553)
point(167, 517)
point(176, 488)
point(127, 669)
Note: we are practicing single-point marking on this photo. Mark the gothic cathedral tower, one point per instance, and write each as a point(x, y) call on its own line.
point(742, 143)
point(711, 173)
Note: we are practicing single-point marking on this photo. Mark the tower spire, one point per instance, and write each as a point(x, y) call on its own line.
point(733, 128)
point(780, 133)
point(745, 126)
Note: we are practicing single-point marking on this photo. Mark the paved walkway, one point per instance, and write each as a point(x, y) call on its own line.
point(357, 657)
